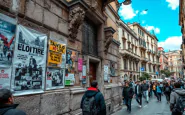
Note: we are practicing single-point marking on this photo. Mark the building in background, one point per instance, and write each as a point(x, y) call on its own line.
point(163, 59)
point(182, 24)
point(175, 63)
point(129, 52)
point(91, 31)
point(148, 50)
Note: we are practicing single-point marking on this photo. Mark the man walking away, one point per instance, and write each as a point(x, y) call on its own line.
point(159, 92)
point(93, 102)
point(7, 106)
point(138, 93)
point(167, 92)
point(145, 88)
point(128, 95)
point(177, 100)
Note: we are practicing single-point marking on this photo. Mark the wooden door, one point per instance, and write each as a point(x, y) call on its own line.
point(92, 72)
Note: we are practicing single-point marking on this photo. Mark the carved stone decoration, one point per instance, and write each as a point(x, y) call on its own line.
point(76, 17)
point(109, 31)
point(93, 4)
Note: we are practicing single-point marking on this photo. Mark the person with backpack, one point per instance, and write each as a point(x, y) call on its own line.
point(128, 94)
point(167, 92)
point(159, 92)
point(93, 102)
point(177, 100)
point(7, 106)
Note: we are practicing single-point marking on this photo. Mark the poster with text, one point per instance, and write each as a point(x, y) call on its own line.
point(70, 79)
point(7, 38)
point(5, 77)
point(56, 53)
point(29, 61)
point(55, 78)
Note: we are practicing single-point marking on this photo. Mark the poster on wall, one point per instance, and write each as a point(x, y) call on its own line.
point(70, 79)
point(7, 38)
point(5, 75)
point(106, 72)
point(70, 66)
point(56, 54)
point(55, 78)
point(84, 74)
point(80, 64)
point(29, 61)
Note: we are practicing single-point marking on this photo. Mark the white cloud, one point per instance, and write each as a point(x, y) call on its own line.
point(127, 12)
point(143, 21)
point(171, 43)
point(137, 11)
point(151, 28)
point(173, 4)
point(143, 12)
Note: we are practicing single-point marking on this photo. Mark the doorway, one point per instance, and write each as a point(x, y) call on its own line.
point(92, 72)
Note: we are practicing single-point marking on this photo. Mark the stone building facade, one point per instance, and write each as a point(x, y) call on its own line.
point(91, 30)
point(129, 51)
point(163, 59)
point(175, 63)
point(148, 50)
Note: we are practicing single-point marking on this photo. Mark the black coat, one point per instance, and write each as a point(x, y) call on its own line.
point(10, 110)
point(127, 92)
point(140, 90)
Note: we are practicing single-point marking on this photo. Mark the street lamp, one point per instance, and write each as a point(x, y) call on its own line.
point(127, 2)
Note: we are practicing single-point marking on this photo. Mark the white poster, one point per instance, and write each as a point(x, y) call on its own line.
point(106, 72)
point(5, 76)
point(70, 79)
point(29, 61)
point(55, 78)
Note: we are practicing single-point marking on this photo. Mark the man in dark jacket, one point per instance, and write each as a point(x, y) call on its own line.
point(174, 97)
point(128, 95)
point(138, 93)
point(7, 106)
point(98, 96)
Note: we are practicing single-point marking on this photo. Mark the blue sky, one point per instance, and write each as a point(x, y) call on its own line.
point(162, 17)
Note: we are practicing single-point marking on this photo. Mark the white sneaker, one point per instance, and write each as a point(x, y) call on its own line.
point(140, 106)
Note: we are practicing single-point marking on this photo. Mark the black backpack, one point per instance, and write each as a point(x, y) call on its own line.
point(179, 106)
point(167, 89)
point(89, 106)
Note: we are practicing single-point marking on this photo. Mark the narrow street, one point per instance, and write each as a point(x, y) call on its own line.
point(152, 108)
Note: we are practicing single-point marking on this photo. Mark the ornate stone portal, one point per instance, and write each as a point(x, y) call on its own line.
point(76, 17)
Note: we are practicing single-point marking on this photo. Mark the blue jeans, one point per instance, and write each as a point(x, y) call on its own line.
point(128, 103)
point(145, 93)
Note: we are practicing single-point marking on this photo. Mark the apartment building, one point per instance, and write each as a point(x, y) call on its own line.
point(163, 59)
point(175, 63)
point(148, 50)
point(129, 51)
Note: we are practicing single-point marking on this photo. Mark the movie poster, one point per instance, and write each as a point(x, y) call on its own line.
point(56, 53)
point(5, 75)
point(7, 38)
point(55, 78)
point(29, 61)
point(70, 67)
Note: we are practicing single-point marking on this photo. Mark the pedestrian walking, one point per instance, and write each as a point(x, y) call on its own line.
point(151, 87)
point(154, 89)
point(167, 92)
point(93, 102)
point(7, 106)
point(145, 88)
point(128, 95)
point(159, 92)
point(138, 93)
point(177, 100)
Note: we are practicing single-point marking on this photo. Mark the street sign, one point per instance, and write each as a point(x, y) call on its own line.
point(142, 69)
point(157, 73)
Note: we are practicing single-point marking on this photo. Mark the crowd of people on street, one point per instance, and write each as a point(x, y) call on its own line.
point(173, 90)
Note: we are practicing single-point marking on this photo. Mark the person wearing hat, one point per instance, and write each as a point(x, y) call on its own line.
point(7, 106)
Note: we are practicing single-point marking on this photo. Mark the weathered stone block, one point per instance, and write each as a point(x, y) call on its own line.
point(55, 103)
point(63, 26)
point(76, 101)
point(40, 2)
point(50, 19)
point(55, 9)
point(29, 104)
point(107, 93)
point(34, 11)
point(6, 3)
